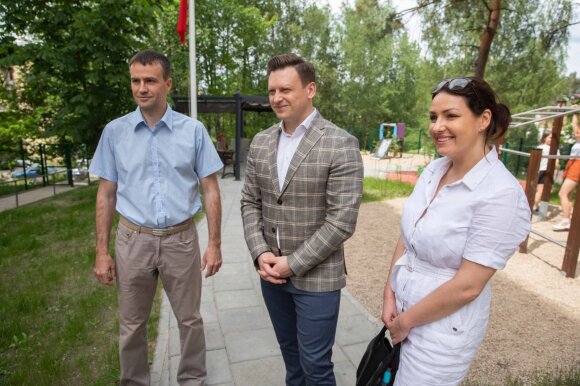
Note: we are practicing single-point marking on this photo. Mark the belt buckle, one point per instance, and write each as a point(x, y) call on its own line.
point(159, 232)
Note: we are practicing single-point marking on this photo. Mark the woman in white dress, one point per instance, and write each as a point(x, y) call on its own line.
point(463, 221)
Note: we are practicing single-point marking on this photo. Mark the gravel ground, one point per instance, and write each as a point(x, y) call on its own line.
point(535, 312)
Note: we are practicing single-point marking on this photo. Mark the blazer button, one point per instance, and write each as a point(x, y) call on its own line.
point(279, 201)
point(273, 230)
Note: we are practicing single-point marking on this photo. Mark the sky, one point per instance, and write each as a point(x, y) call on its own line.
point(572, 61)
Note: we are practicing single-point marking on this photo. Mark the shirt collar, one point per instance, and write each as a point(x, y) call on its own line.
point(477, 173)
point(474, 177)
point(166, 120)
point(302, 127)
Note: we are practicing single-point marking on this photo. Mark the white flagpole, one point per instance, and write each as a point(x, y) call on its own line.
point(192, 62)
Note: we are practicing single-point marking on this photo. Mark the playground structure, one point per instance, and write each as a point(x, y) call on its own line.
point(557, 113)
point(397, 134)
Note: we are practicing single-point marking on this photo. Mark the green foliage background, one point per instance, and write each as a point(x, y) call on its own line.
point(72, 58)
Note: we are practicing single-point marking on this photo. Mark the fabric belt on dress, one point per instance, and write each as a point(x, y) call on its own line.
point(160, 232)
point(413, 263)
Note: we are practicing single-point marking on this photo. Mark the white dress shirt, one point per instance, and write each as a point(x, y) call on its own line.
point(287, 146)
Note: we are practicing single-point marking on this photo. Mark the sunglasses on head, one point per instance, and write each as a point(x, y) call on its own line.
point(453, 84)
point(456, 84)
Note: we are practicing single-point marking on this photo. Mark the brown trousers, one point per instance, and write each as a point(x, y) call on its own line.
point(140, 259)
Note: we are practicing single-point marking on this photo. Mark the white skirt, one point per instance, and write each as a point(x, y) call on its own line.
point(440, 352)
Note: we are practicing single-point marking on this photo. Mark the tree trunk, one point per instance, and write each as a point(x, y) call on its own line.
point(487, 38)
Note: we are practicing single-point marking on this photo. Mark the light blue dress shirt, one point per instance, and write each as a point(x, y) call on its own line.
point(157, 170)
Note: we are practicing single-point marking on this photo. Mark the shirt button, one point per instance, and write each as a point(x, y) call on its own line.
point(273, 230)
point(279, 201)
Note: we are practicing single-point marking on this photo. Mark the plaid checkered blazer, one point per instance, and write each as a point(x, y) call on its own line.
point(317, 208)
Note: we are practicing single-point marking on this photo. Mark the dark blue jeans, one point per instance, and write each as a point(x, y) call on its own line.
point(305, 326)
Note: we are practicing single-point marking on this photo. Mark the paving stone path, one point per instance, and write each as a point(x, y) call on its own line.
point(241, 345)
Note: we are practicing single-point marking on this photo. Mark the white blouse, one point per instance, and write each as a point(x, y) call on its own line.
point(482, 218)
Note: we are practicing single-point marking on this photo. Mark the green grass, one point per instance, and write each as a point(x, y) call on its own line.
point(376, 189)
point(58, 324)
point(561, 377)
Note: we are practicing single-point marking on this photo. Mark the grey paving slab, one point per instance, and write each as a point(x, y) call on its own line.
point(235, 268)
point(354, 352)
point(338, 355)
point(249, 345)
point(347, 308)
point(263, 372)
point(214, 337)
point(164, 380)
point(218, 368)
point(240, 319)
point(236, 299)
point(174, 343)
point(355, 329)
point(207, 281)
point(345, 373)
point(208, 312)
point(173, 367)
point(229, 282)
point(235, 256)
point(207, 294)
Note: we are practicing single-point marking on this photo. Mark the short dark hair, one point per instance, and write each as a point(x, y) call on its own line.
point(305, 69)
point(480, 96)
point(147, 57)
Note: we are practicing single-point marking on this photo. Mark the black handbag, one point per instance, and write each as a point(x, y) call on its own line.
point(379, 358)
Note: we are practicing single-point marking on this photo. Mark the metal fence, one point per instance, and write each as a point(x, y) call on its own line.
point(26, 165)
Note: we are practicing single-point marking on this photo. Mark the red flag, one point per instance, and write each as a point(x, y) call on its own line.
point(182, 21)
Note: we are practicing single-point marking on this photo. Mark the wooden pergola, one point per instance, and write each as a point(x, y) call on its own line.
point(237, 104)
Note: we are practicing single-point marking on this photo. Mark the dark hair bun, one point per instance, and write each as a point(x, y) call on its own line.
point(501, 121)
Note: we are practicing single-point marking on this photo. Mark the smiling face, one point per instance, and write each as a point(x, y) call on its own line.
point(455, 130)
point(289, 98)
point(149, 88)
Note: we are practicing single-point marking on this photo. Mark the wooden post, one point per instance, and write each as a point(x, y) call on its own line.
point(549, 180)
point(531, 186)
point(573, 242)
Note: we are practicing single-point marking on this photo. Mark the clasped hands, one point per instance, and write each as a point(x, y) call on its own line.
point(274, 269)
point(392, 319)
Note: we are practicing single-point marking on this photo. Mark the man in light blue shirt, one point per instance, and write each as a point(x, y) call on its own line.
point(150, 163)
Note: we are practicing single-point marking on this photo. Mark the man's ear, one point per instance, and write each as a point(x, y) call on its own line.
point(311, 90)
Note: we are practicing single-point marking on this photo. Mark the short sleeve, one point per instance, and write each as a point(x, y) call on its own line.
point(207, 160)
point(103, 163)
point(499, 225)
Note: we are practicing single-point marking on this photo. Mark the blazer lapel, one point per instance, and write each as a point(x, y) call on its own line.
point(273, 159)
point(312, 135)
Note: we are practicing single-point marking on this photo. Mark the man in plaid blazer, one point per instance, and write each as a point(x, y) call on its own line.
point(300, 203)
